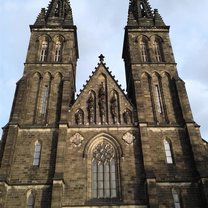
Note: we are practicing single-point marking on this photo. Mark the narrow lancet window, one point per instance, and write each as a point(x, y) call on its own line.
point(43, 51)
point(158, 51)
point(30, 201)
point(158, 99)
point(57, 57)
point(37, 152)
point(176, 199)
point(104, 176)
point(168, 152)
point(144, 51)
point(44, 99)
point(143, 12)
point(57, 9)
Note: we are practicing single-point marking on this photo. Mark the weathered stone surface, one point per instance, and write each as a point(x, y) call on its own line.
point(105, 141)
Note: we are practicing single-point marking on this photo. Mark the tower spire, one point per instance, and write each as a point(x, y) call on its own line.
point(141, 14)
point(58, 13)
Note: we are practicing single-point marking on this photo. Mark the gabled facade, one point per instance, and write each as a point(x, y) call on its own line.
point(105, 148)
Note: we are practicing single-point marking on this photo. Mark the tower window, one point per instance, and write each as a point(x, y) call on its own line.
point(43, 52)
point(158, 99)
point(36, 159)
point(30, 201)
point(57, 56)
point(57, 9)
point(104, 176)
point(158, 51)
point(143, 12)
point(144, 51)
point(168, 152)
point(44, 102)
point(176, 199)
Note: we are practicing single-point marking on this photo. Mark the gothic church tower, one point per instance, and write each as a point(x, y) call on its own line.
point(105, 148)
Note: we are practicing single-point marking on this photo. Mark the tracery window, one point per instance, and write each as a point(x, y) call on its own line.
point(168, 152)
point(37, 153)
point(43, 51)
point(57, 56)
point(104, 171)
point(158, 51)
point(144, 51)
point(30, 200)
point(176, 199)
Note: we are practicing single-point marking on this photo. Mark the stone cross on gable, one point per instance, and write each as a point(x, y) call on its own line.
point(101, 57)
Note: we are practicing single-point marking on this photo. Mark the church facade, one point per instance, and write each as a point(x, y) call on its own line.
point(106, 148)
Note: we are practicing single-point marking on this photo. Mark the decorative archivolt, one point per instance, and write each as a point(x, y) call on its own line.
point(154, 38)
point(58, 38)
point(141, 38)
point(156, 74)
point(44, 38)
point(38, 75)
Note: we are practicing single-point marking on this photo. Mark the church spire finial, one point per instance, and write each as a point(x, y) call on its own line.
point(101, 58)
point(58, 13)
point(141, 14)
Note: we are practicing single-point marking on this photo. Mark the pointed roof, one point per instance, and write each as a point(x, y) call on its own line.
point(58, 13)
point(102, 69)
point(141, 14)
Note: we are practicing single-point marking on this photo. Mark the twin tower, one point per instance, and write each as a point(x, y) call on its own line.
point(105, 148)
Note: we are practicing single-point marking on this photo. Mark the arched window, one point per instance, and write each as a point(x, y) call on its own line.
point(57, 9)
point(37, 152)
point(57, 56)
point(104, 171)
point(44, 101)
point(168, 152)
point(30, 200)
point(144, 51)
point(158, 99)
point(158, 51)
point(176, 199)
point(143, 12)
point(43, 51)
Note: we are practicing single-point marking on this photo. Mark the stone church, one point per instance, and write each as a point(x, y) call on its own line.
point(106, 148)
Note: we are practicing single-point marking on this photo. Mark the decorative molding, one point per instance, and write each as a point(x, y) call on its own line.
point(128, 138)
point(77, 139)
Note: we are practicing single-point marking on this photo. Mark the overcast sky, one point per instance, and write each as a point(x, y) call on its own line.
point(101, 30)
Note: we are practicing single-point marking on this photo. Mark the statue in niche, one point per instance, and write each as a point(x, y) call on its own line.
point(79, 117)
point(91, 108)
point(127, 117)
point(114, 108)
point(102, 103)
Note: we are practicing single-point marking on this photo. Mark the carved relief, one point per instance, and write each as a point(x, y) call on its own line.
point(114, 108)
point(102, 103)
point(128, 138)
point(91, 108)
point(127, 116)
point(79, 117)
point(77, 139)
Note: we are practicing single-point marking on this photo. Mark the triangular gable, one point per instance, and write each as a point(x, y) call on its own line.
point(101, 102)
